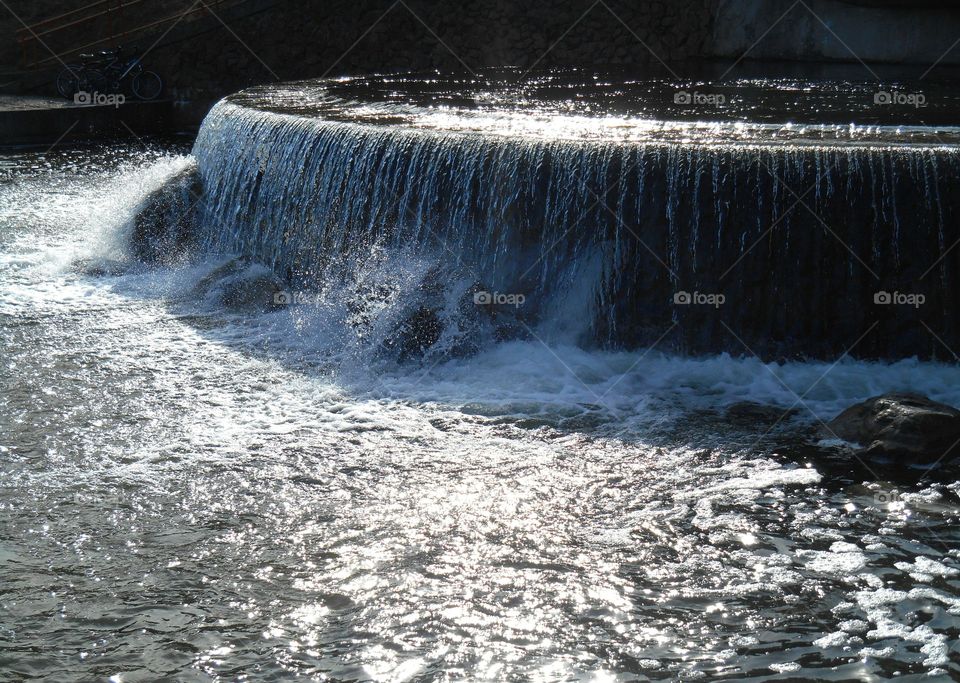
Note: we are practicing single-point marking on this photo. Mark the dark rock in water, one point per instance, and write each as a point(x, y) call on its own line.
point(510, 330)
point(750, 414)
point(253, 292)
point(901, 426)
point(434, 283)
point(422, 323)
point(243, 286)
point(503, 320)
point(100, 267)
point(365, 302)
point(418, 332)
point(229, 269)
point(163, 226)
point(466, 320)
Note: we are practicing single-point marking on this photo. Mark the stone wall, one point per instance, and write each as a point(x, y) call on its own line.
point(29, 11)
point(15, 13)
point(289, 39)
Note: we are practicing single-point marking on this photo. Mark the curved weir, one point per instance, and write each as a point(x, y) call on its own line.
point(607, 223)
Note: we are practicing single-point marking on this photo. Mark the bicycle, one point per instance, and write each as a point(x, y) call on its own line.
point(72, 79)
point(109, 73)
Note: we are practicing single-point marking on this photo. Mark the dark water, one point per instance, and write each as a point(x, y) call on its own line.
point(192, 493)
point(923, 110)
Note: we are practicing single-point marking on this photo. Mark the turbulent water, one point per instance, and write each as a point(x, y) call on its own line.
point(194, 493)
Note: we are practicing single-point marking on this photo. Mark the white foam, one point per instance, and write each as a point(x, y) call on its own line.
point(838, 639)
point(623, 379)
point(870, 600)
point(927, 568)
point(854, 626)
point(99, 220)
point(878, 653)
point(933, 594)
point(831, 562)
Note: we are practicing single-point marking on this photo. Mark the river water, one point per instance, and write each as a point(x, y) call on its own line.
point(188, 493)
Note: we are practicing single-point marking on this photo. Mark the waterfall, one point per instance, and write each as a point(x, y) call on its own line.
point(605, 241)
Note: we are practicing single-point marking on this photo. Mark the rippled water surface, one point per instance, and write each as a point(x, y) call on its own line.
point(576, 105)
point(197, 495)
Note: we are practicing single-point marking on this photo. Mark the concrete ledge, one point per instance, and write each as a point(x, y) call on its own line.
point(44, 121)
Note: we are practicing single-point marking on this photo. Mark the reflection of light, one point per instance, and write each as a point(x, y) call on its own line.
point(588, 128)
point(310, 614)
point(387, 667)
point(500, 117)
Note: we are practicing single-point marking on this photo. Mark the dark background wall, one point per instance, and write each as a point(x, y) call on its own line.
point(911, 32)
point(311, 38)
point(307, 38)
point(244, 42)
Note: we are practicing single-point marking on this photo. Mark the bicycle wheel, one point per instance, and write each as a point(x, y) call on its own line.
point(93, 81)
point(68, 80)
point(147, 85)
